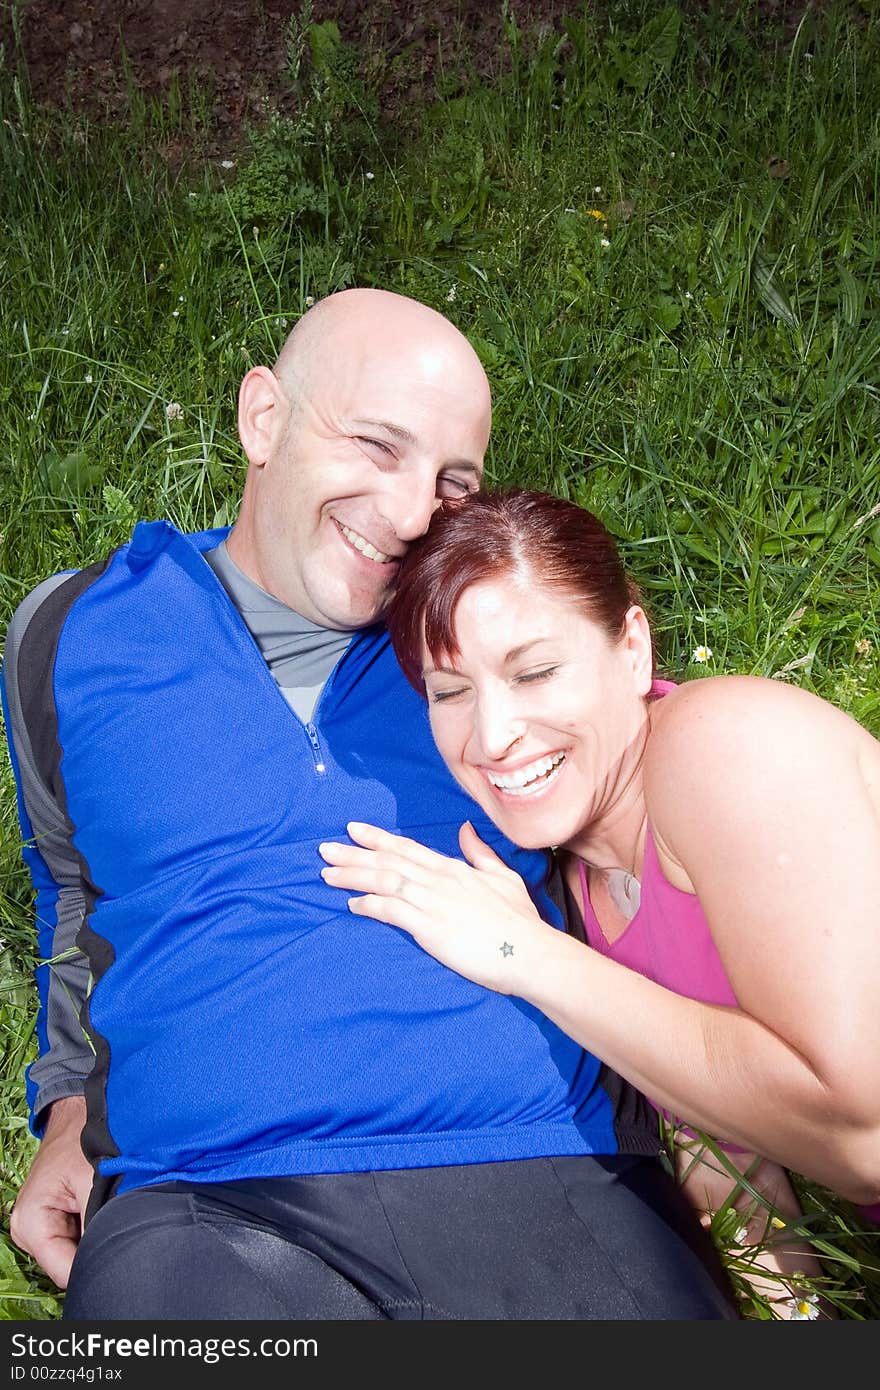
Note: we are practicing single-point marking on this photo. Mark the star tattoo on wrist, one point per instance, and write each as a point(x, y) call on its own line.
point(506, 949)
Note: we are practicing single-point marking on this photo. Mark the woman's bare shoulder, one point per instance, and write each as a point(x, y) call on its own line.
point(717, 709)
point(740, 736)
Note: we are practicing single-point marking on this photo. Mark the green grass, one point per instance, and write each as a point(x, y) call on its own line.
point(662, 235)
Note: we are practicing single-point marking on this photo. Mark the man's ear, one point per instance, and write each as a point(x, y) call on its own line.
point(263, 412)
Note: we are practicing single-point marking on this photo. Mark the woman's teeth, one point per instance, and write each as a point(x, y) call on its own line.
point(525, 777)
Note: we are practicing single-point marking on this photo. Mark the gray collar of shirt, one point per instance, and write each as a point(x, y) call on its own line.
point(299, 653)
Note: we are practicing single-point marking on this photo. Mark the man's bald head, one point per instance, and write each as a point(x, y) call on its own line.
point(376, 410)
point(372, 322)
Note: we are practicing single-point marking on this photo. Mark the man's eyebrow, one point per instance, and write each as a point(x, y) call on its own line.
point(467, 466)
point(407, 437)
point(398, 431)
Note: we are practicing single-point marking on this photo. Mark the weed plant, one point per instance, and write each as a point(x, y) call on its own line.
point(661, 233)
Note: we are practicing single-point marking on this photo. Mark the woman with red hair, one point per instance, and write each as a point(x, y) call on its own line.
point(719, 842)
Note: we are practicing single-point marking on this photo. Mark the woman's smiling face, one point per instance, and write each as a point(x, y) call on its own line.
point(539, 713)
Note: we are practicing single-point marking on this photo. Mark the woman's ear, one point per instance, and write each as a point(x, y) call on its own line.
point(263, 412)
point(639, 647)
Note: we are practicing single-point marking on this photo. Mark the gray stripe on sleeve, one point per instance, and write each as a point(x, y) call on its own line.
point(60, 1070)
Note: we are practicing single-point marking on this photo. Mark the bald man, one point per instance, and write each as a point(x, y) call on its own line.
point(262, 1108)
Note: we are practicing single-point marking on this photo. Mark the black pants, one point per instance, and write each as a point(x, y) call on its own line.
point(550, 1238)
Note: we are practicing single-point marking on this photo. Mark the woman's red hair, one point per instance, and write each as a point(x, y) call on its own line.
point(517, 534)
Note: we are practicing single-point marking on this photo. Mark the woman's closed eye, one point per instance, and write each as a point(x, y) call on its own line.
point(529, 677)
point(440, 697)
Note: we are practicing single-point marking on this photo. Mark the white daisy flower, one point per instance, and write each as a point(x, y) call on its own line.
point(804, 1307)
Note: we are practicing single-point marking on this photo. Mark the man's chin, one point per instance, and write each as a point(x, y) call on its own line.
point(358, 613)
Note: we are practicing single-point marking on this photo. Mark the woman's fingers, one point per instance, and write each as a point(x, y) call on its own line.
point(394, 911)
point(389, 863)
point(379, 848)
point(466, 915)
point(385, 880)
point(375, 871)
point(352, 859)
point(335, 852)
point(476, 851)
point(373, 837)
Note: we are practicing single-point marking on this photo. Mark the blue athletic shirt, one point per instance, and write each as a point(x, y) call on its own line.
point(242, 1022)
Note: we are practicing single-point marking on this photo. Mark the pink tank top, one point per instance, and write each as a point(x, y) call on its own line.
point(669, 941)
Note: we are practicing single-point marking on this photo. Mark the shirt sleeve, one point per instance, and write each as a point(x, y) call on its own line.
point(62, 973)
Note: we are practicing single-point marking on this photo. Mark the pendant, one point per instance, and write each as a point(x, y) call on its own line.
point(625, 891)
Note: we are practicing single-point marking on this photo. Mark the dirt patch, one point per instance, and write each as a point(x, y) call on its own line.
point(88, 56)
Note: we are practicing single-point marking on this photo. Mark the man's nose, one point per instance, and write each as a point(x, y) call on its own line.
point(409, 504)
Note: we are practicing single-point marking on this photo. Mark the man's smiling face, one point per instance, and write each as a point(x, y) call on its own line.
point(389, 416)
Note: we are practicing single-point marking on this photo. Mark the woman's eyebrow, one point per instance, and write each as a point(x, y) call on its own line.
point(439, 671)
point(516, 652)
point(513, 655)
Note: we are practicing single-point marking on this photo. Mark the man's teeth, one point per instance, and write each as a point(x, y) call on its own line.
point(364, 546)
point(525, 776)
